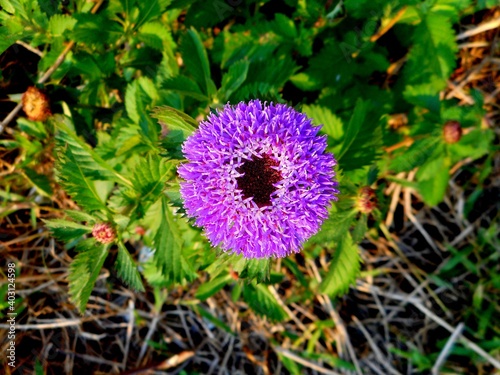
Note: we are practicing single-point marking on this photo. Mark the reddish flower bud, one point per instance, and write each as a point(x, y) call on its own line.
point(140, 231)
point(234, 275)
point(452, 132)
point(36, 104)
point(366, 200)
point(103, 233)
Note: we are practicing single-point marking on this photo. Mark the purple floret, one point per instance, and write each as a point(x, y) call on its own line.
point(258, 179)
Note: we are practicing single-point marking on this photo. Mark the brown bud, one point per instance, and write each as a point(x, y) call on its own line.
point(366, 200)
point(103, 233)
point(36, 104)
point(452, 132)
point(234, 275)
point(397, 120)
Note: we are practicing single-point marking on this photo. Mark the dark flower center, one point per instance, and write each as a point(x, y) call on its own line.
point(258, 179)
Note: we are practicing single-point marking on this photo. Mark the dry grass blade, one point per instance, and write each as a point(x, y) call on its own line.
point(446, 350)
point(304, 362)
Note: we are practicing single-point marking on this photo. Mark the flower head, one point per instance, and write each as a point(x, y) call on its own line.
point(36, 104)
point(103, 233)
point(258, 179)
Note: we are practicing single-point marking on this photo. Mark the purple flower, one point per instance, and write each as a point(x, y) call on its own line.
point(258, 179)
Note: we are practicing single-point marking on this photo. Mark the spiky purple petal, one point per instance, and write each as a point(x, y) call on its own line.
point(217, 153)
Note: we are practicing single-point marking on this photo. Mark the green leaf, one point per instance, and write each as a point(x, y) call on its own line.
point(59, 23)
point(331, 124)
point(150, 10)
point(290, 364)
point(358, 233)
point(28, 11)
point(252, 269)
point(65, 230)
point(196, 61)
point(71, 174)
point(431, 59)
point(335, 227)
point(363, 139)
point(185, 86)
point(7, 38)
point(255, 90)
point(344, 268)
point(233, 79)
point(424, 95)
point(355, 123)
point(8, 6)
point(138, 96)
point(168, 245)
point(260, 300)
point(285, 27)
point(84, 271)
point(127, 269)
point(473, 145)
point(150, 175)
point(306, 82)
point(33, 128)
point(40, 181)
point(211, 287)
point(275, 73)
point(95, 29)
point(433, 179)
point(90, 163)
point(174, 119)
point(416, 155)
point(80, 216)
point(155, 35)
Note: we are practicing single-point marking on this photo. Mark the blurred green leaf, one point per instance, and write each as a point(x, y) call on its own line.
point(251, 269)
point(40, 181)
point(127, 269)
point(59, 23)
point(80, 187)
point(196, 61)
point(431, 59)
point(65, 230)
point(84, 271)
point(212, 286)
point(185, 86)
point(285, 26)
point(331, 124)
point(474, 145)
point(174, 119)
point(90, 163)
point(168, 245)
point(344, 268)
point(260, 299)
point(416, 155)
point(150, 176)
point(362, 142)
point(233, 79)
point(433, 179)
point(335, 227)
point(95, 29)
